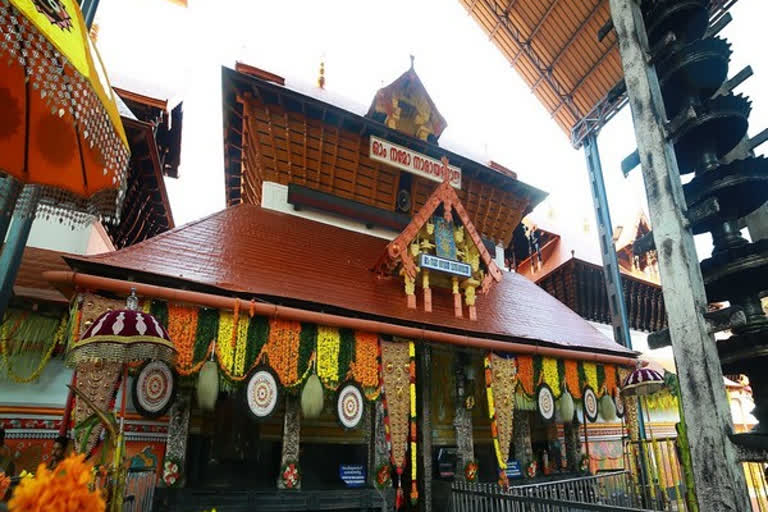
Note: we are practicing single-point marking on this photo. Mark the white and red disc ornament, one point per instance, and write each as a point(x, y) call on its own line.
point(153, 389)
point(261, 393)
point(350, 406)
point(619, 402)
point(546, 402)
point(590, 404)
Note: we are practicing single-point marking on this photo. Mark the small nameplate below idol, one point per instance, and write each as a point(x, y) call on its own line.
point(445, 265)
point(353, 475)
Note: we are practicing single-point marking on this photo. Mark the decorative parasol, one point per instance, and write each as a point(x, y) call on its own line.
point(642, 381)
point(123, 336)
point(60, 128)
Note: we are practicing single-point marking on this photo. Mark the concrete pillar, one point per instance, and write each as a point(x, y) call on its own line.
point(522, 438)
point(462, 422)
point(291, 429)
point(719, 479)
point(572, 445)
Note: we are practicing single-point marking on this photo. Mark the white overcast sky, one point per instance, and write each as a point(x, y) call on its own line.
point(161, 49)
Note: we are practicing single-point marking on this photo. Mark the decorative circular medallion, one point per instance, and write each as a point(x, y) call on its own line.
point(546, 402)
point(153, 389)
point(261, 393)
point(590, 404)
point(350, 406)
point(619, 402)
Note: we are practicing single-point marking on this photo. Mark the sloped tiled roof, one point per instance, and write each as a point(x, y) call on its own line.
point(254, 252)
point(30, 283)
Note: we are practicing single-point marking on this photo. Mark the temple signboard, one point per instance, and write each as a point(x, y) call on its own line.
point(414, 162)
point(457, 268)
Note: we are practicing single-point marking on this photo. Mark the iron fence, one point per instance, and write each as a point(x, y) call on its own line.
point(606, 491)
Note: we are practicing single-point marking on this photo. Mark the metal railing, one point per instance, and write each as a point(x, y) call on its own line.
point(607, 491)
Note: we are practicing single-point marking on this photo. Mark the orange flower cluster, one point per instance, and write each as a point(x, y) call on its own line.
point(365, 367)
point(525, 374)
point(282, 350)
point(182, 329)
point(610, 379)
point(572, 378)
point(61, 490)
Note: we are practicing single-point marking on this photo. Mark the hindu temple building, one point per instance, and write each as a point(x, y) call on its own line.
point(345, 331)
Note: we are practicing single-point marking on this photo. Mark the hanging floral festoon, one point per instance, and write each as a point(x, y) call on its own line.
point(500, 382)
point(396, 376)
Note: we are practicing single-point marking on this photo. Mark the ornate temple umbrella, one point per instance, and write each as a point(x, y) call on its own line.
point(60, 127)
point(123, 336)
point(641, 382)
point(115, 339)
point(61, 139)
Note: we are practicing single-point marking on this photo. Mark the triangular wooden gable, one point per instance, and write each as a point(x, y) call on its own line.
point(397, 253)
point(407, 107)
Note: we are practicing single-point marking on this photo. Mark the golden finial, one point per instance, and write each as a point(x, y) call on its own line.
point(321, 78)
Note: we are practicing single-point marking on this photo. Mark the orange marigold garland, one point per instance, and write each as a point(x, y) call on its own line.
point(365, 367)
point(572, 378)
point(282, 350)
point(65, 488)
point(610, 379)
point(525, 374)
point(501, 460)
point(182, 329)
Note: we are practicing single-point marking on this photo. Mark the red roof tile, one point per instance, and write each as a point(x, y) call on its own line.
point(249, 250)
point(30, 283)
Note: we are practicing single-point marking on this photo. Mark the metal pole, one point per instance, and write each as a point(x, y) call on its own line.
point(605, 232)
point(9, 193)
point(718, 478)
point(10, 257)
point(88, 8)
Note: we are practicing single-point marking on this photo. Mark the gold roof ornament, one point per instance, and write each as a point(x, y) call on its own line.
point(405, 106)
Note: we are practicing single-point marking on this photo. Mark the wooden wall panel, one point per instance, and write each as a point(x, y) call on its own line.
point(288, 147)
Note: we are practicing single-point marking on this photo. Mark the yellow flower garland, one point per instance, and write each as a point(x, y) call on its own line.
point(241, 346)
point(412, 390)
point(328, 343)
point(590, 372)
point(224, 349)
point(551, 375)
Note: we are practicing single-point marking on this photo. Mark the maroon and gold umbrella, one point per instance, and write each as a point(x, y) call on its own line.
point(123, 336)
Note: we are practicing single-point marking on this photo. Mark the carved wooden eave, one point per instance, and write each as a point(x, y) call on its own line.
point(405, 105)
point(398, 256)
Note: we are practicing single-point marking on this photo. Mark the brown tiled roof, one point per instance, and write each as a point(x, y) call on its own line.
point(251, 251)
point(30, 283)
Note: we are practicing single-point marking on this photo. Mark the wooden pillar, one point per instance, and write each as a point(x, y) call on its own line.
point(291, 429)
point(522, 437)
point(178, 432)
point(424, 385)
point(719, 479)
point(572, 445)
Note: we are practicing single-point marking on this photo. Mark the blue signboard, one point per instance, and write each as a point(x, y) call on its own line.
point(353, 475)
point(513, 469)
point(444, 265)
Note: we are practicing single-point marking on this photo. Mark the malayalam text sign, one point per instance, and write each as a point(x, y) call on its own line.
point(413, 162)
